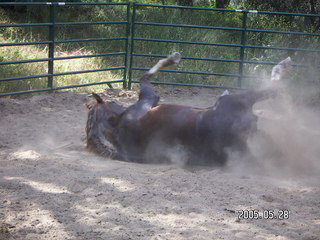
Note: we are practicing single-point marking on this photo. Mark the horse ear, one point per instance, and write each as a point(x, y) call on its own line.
point(91, 104)
point(97, 97)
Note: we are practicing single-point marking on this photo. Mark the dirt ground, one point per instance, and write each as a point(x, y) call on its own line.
point(51, 188)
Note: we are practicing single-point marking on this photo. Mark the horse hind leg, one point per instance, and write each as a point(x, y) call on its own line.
point(147, 93)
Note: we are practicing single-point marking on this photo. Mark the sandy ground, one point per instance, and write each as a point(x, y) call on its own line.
point(51, 188)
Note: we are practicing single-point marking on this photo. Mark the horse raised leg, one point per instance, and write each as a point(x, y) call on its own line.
point(147, 96)
point(127, 137)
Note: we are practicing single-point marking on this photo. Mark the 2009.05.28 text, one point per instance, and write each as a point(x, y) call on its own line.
point(281, 214)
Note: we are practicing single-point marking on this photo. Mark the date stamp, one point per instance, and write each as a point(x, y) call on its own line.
point(281, 214)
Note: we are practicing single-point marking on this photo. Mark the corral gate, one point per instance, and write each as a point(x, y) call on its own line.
point(222, 53)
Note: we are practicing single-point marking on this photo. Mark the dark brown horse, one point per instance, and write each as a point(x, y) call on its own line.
point(145, 131)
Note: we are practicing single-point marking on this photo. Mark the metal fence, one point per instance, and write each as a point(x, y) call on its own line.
point(244, 51)
point(52, 42)
point(184, 29)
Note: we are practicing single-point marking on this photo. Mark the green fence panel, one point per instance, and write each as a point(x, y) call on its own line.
point(241, 47)
point(52, 43)
point(152, 31)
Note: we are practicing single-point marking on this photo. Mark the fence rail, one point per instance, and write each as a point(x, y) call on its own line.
point(132, 39)
point(52, 42)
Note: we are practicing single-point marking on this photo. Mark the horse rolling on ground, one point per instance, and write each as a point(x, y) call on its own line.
point(145, 131)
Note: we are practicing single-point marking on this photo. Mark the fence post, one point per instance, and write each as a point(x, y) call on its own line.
point(242, 48)
point(52, 19)
point(132, 44)
point(126, 47)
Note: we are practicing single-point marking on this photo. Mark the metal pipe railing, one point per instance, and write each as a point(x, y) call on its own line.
point(52, 43)
point(129, 40)
point(242, 45)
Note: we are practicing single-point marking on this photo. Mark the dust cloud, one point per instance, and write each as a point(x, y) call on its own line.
point(159, 152)
point(287, 142)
